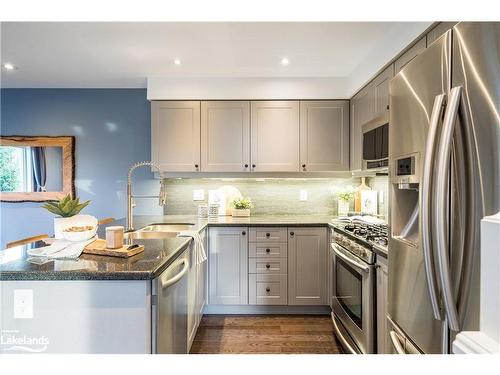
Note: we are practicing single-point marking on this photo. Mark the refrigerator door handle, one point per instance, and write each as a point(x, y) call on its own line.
point(396, 342)
point(426, 203)
point(456, 102)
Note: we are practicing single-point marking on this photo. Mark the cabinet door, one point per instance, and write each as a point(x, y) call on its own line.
point(307, 266)
point(274, 130)
point(438, 31)
point(175, 135)
point(201, 290)
point(382, 285)
point(225, 136)
point(381, 91)
point(228, 266)
point(361, 112)
point(192, 313)
point(324, 135)
point(410, 54)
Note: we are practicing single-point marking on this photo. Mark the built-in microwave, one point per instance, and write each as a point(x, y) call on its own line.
point(376, 144)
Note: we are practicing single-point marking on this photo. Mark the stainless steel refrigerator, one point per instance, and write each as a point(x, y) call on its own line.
point(444, 170)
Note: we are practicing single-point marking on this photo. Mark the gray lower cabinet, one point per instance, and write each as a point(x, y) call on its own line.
point(382, 285)
point(228, 266)
point(267, 289)
point(324, 135)
point(307, 266)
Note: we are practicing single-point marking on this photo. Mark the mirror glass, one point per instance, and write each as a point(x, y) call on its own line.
point(31, 169)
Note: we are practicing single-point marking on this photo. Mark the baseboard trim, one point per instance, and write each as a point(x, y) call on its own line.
point(260, 309)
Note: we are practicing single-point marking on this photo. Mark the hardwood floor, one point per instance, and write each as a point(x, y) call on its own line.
point(269, 334)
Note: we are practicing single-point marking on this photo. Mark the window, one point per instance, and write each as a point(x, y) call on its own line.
point(16, 171)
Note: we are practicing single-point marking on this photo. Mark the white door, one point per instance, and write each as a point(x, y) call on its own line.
point(307, 266)
point(225, 136)
point(175, 135)
point(274, 136)
point(324, 135)
point(228, 266)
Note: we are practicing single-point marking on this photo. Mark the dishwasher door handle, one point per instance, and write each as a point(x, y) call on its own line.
point(165, 283)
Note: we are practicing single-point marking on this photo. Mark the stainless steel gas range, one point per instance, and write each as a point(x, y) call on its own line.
point(353, 250)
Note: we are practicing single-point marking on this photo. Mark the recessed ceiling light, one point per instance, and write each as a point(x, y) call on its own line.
point(177, 62)
point(285, 61)
point(9, 66)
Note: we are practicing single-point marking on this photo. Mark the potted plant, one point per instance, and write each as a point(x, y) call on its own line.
point(344, 198)
point(66, 208)
point(241, 207)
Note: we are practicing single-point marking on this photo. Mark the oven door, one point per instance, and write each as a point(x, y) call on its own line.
point(353, 300)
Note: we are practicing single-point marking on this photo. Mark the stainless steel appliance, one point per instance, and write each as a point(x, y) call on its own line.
point(376, 144)
point(353, 284)
point(444, 169)
point(170, 311)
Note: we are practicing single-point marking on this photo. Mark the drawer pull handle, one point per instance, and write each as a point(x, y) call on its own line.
point(268, 251)
point(291, 233)
point(268, 234)
point(268, 266)
point(268, 289)
point(243, 233)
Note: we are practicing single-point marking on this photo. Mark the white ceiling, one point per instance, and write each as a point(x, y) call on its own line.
point(125, 54)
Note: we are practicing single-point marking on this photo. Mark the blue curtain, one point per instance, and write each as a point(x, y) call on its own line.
point(39, 168)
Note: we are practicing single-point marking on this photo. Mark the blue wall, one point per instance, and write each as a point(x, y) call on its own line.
point(112, 131)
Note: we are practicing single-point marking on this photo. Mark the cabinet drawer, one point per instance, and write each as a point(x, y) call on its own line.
point(267, 289)
point(266, 235)
point(272, 250)
point(267, 266)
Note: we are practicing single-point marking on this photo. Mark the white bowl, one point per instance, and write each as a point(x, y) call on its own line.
point(79, 236)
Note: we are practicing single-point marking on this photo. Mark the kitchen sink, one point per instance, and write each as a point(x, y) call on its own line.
point(169, 228)
point(143, 235)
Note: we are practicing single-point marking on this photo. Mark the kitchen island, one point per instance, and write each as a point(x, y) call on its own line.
point(100, 304)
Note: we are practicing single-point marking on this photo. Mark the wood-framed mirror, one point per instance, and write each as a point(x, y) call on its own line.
point(36, 169)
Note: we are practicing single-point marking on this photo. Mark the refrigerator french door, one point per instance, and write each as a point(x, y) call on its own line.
point(444, 168)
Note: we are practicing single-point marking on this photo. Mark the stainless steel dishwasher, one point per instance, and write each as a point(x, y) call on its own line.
point(170, 310)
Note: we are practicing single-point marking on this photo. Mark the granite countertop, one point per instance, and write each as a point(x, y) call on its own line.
point(16, 264)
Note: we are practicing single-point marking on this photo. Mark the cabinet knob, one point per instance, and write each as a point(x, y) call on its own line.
point(253, 165)
point(268, 266)
point(268, 289)
point(246, 165)
point(292, 233)
point(243, 233)
point(196, 166)
point(304, 166)
point(387, 106)
point(268, 251)
point(268, 234)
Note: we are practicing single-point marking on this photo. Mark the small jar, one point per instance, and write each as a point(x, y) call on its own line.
point(202, 211)
point(114, 237)
point(213, 210)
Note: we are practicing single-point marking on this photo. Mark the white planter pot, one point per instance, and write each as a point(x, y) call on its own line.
point(238, 212)
point(343, 209)
point(60, 223)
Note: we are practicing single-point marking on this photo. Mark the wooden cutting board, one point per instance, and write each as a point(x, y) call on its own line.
point(98, 247)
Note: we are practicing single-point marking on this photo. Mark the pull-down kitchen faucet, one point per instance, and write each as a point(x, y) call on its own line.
point(162, 196)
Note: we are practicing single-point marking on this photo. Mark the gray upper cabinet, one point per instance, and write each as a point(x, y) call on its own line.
point(439, 30)
point(175, 135)
point(228, 266)
point(225, 136)
point(307, 266)
point(274, 136)
point(324, 135)
point(381, 91)
point(362, 110)
point(410, 54)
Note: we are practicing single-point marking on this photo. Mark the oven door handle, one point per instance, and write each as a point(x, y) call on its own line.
point(341, 254)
